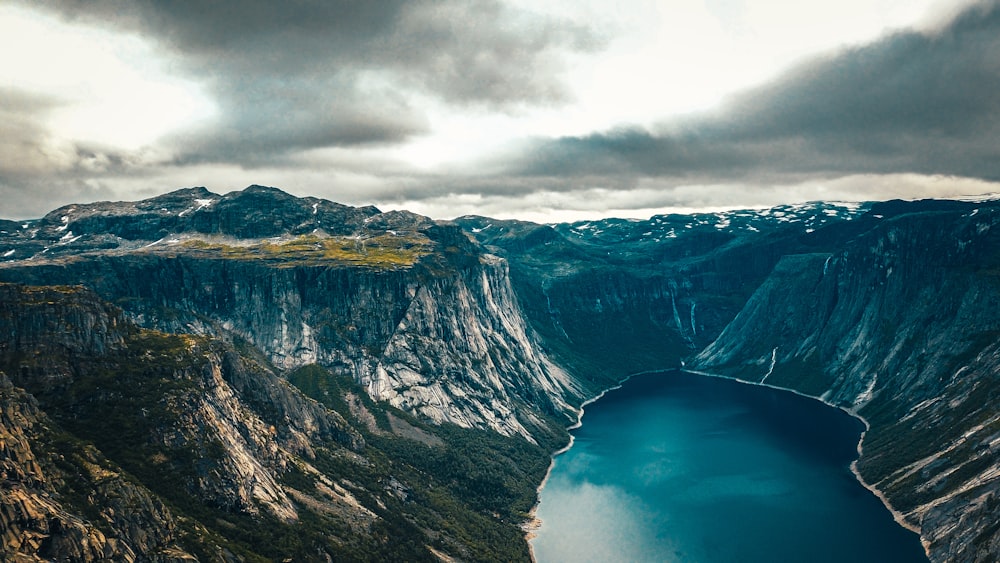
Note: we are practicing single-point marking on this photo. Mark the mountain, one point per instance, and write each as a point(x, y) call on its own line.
point(411, 309)
point(290, 378)
point(255, 376)
point(886, 309)
point(899, 326)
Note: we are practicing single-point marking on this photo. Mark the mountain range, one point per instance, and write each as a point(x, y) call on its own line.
point(256, 377)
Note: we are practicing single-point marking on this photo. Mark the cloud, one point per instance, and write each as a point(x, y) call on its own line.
point(317, 98)
point(39, 171)
point(290, 76)
point(23, 137)
point(911, 102)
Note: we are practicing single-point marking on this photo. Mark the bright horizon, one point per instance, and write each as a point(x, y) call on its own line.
point(569, 111)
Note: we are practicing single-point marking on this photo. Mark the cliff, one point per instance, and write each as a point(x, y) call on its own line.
point(306, 385)
point(899, 326)
point(412, 309)
point(263, 376)
point(130, 444)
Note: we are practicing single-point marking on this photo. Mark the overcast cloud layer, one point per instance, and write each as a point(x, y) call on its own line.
point(321, 97)
point(924, 103)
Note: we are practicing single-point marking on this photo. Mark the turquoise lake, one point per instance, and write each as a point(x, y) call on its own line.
point(682, 467)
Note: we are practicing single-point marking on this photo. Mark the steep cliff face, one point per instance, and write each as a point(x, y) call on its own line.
point(102, 434)
point(172, 397)
point(289, 377)
point(412, 309)
point(488, 369)
point(899, 326)
point(614, 297)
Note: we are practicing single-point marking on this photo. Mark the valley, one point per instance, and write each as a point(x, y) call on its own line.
point(255, 376)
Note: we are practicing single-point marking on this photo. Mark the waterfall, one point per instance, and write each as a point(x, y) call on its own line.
point(694, 329)
point(774, 359)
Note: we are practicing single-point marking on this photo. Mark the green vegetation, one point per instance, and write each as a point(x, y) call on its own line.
point(465, 494)
point(894, 443)
point(381, 251)
point(329, 389)
point(474, 490)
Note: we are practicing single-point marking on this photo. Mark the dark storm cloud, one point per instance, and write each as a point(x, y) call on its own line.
point(912, 102)
point(297, 75)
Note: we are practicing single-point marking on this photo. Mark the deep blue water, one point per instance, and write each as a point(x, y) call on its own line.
point(682, 467)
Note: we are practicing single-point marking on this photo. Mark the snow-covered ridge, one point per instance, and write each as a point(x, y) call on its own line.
point(659, 228)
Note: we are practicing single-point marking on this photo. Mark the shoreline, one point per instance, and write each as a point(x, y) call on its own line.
point(898, 516)
point(531, 525)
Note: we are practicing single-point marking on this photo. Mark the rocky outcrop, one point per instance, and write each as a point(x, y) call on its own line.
point(900, 327)
point(412, 309)
point(249, 465)
point(197, 419)
point(71, 504)
point(208, 395)
point(462, 353)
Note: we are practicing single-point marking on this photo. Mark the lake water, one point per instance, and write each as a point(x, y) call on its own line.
point(682, 467)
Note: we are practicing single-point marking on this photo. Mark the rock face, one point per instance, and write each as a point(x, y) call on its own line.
point(887, 309)
point(899, 326)
point(259, 376)
point(60, 499)
point(413, 310)
point(187, 402)
point(489, 367)
point(236, 381)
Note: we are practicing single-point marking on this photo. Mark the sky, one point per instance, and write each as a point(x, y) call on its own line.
point(543, 111)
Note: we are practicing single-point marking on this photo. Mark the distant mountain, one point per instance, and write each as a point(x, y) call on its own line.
point(887, 309)
point(257, 376)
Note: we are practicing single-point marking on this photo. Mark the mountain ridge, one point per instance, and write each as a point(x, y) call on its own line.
point(476, 340)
